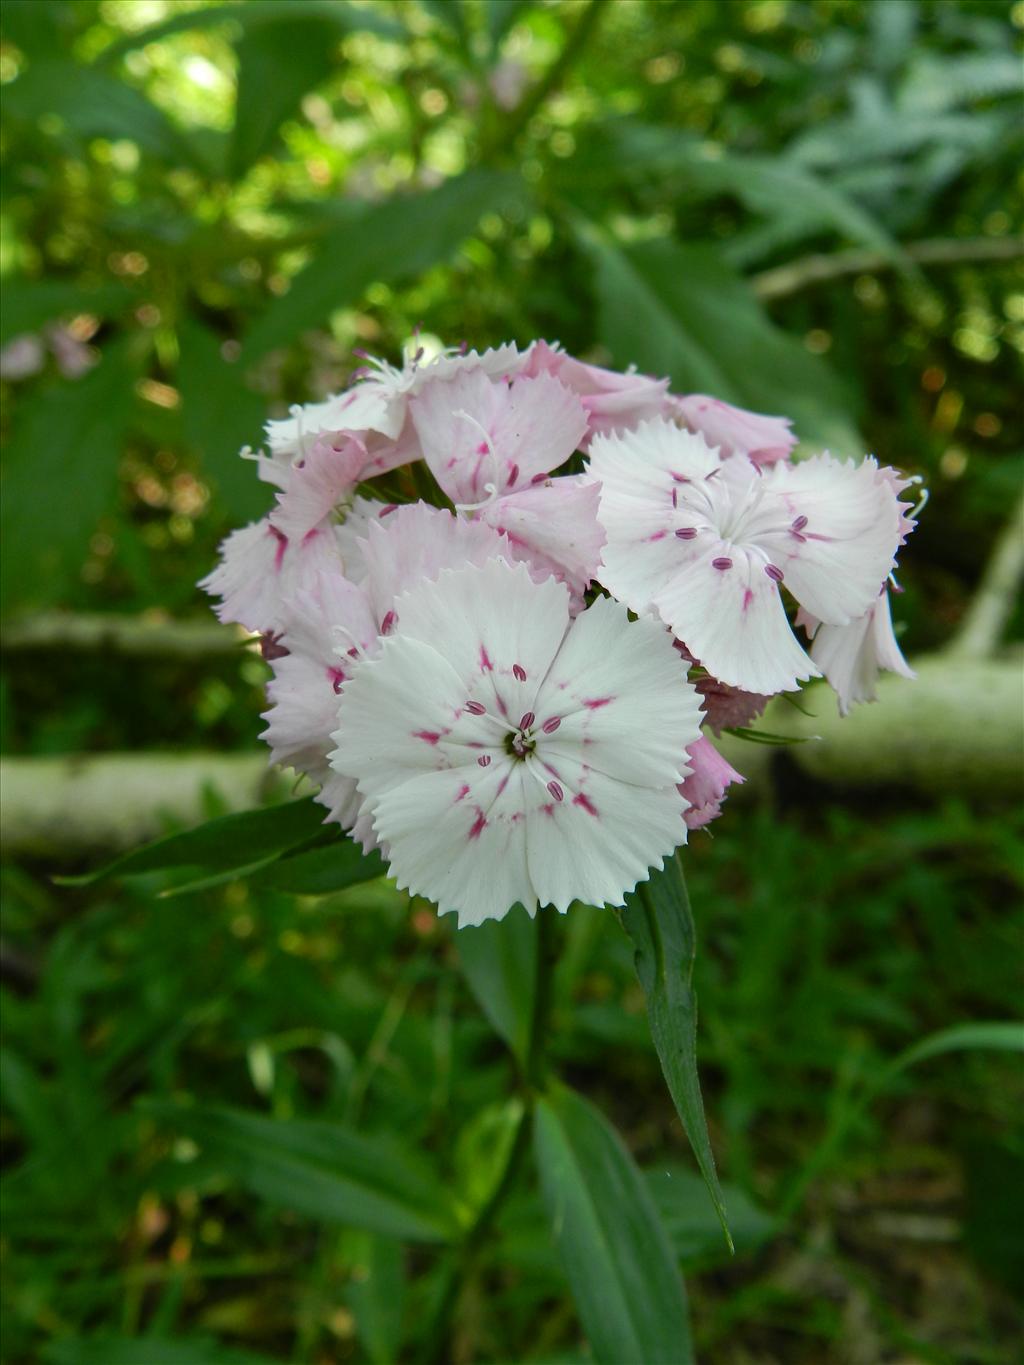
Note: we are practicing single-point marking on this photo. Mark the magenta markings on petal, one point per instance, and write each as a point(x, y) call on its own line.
point(388, 624)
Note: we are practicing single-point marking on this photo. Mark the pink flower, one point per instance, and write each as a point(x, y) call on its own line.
point(613, 400)
point(734, 430)
point(706, 785)
point(317, 483)
point(508, 754)
point(706, 543)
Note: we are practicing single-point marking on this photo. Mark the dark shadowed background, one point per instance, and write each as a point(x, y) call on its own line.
point(805, 207)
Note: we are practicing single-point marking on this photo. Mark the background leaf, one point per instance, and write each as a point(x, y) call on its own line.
point(321, 1170)
point(392, 241)
point(608, 1235)
point(61, 476)
point(658, 919)
point(499, 961)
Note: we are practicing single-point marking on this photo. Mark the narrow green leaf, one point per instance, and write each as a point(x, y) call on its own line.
point(29, 304)
point(658, 919)
point(398, 239)
point(690, 1219)
point(220, 414)
point(609, 1237)
point(321, 1170)
point(232, 842)
point(997, 1037)
point(269, 89)
point(683, 312)
point(345, 18)
point(60, 477)
point(92, 103)
point(318, 871)
point(105, 1350)
point(765, 736)
point(499, 961)
point(376, 1295)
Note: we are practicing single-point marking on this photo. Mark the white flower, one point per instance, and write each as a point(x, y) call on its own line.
point(851, 656)
point(706, 543)
point(509, 755)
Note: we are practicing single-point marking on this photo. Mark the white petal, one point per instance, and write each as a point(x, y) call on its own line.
point(601, 839)
point(322, 479)
point(851, 656)
point(459, 838)
point(849, 522)
point(733, 620)
point(490, 621)
point(260, 568)
point(623, 701)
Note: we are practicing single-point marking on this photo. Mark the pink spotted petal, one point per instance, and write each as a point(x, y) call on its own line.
point(324, 477)
point(260, 568)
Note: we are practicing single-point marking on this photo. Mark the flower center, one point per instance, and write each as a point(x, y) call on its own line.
point(521, 741)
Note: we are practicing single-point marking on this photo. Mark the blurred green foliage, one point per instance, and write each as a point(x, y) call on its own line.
point(806, 206)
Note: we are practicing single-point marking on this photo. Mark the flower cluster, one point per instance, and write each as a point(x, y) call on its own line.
point(511, 695)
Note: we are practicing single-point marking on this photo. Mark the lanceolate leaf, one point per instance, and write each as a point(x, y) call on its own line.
point(234, 842)
point(321, 1170)
point(106, 1350)
point(683, 312)
point(657, 918)
point(395, 240)
point(269, 88)
point(317, 871)
point(499, 960)
point(61, 477)
point(607, 1232)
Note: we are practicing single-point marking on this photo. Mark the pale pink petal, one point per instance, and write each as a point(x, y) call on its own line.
point(260, 567)
point(734, 430)
point(832, 528)
point(350, 535)
point(325, 476)
point(706, 785)
point(413, 543)
point(553, 525)
point(480, 437)
point(614, 400)
point(851, 656)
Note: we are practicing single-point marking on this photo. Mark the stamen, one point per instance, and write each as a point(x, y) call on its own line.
point(721, 563)
point(296, 411)
point(490, 489)
point(356, 651)
point(687, 533)
point(389, 623)
point(675, 497)
point(513, 474)
point(527, 721)
point(484, 760)
point(476, 708)
point(773, 572)
point(895, 586)
point(519, 672)
point(539, 478)
point(799, 524)
point(550, 726)
point(556, 791)
point(386, 511)
point(922, 503)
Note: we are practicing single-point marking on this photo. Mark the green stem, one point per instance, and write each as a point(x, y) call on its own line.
point(435, 1350)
